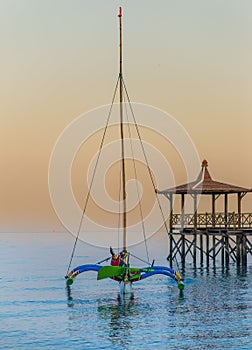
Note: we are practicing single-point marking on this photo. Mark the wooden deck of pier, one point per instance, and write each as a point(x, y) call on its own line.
point(206, 237)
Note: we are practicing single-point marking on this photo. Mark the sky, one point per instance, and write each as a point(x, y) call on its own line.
point(59, 59)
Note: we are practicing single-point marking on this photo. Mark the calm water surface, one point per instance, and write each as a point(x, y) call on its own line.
point(38, 312)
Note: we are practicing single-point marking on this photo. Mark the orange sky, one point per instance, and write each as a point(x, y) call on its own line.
point(191, 59)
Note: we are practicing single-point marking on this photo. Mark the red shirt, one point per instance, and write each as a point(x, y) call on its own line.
point(115, 261)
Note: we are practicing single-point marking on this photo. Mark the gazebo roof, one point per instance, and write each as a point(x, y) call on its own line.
point(205, 185)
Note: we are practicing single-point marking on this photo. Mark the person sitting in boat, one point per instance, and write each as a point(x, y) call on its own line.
point(123, 256)
point(118, 260)
point(115, 259)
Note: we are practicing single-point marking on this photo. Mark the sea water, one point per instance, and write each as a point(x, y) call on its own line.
point(38, 312)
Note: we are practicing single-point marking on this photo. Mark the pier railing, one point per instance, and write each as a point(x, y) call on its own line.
point(208, 220)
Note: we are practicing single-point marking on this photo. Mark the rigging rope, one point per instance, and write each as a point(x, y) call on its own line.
point(136, 257)
point(138, 193)
point(93, 175)
point(145, 157)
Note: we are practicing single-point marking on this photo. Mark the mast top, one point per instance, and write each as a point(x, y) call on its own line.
point(120, 12)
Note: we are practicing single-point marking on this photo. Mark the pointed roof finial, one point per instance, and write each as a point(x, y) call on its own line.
point(204, 163)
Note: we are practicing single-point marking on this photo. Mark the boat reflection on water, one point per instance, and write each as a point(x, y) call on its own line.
point(113, 316)
point(118, 314)
point(70, 302)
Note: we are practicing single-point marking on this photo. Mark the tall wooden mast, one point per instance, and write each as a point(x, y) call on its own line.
point(122, 136)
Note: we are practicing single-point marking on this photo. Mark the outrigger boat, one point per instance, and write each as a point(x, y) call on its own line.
point(120, 269)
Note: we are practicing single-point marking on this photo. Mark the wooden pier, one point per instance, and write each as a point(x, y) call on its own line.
point(204, 237)
point(207, 245)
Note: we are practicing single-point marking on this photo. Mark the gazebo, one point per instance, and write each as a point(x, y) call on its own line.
point(223, 224)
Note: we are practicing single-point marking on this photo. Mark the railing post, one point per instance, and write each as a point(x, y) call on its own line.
point(214, 242)
point(201, 248)
point(238, 249)
point(226, 209)
point(171, 213)
point(170, 258)
point(222, 248)
point(195, 248)
point(182, 211)
point(227, 249)
point(239, 209)
point(207, 248)
point(213, 210)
